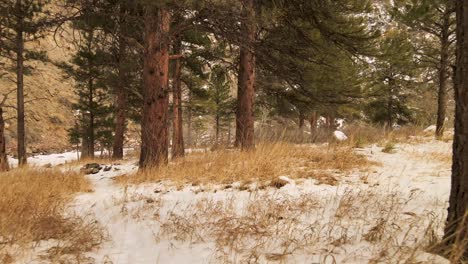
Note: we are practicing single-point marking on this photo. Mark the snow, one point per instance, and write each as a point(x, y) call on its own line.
point(340, 135)
point(53, 159)
point(147, 223)
point(431, 128)
point(56, 158)
point(286, 179)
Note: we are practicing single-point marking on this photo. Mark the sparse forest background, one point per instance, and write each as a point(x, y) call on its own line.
point(236, 96)
point(382, 67)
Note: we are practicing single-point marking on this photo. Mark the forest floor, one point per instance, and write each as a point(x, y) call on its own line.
point(389, 210)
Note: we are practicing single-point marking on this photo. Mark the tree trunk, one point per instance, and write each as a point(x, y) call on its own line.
point(217, 128)
point(85, 140)
point(22, 156)
point(443, 75)
point(3, 156)
point(456, 230)
point(313, 125)
point(301, 120)
point(154, 132)
point(189, 119)
point(229, 134)
point(90, 132)
point(178, 149)
point(246, 80)
point(121, 93)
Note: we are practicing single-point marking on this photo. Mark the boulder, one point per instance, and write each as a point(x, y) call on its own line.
point(340, 136)
point(91, 168)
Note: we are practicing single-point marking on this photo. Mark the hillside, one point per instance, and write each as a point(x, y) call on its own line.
point(50, 96)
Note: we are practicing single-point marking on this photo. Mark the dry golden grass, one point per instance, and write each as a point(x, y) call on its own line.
point(32, 209)
point(267, 162)
point(362, 135)
point(443, 158)
point(456, 250)
point(273, 226)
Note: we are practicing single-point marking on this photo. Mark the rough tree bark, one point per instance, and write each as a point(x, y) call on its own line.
point(121, 94)
point(456, 230)
point(154, 131)
point(246, 80)
point(21, 131)
point(443, 75)
point(3, 156)
point(178, 149)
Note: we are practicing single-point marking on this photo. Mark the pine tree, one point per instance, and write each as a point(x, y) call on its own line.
point(154, 124)
point(432, 24)
point(246, 79)
point(90, 68)
point(394, 80)
point(221, 104)
point(22, 21)
point(178, 148)
point(4, 166)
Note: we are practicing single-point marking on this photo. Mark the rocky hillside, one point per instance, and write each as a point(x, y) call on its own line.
point(49, 97)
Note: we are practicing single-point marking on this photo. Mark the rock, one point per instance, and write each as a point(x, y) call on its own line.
point(340, 136)
point(430, 128)
point(48, 165)
point(278, 183)
point(91, 168)
point(116, 169)
point(107, 168)
point(92, 165)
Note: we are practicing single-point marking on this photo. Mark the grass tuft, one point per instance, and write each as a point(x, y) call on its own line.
point(32, 209)
point(266, 163)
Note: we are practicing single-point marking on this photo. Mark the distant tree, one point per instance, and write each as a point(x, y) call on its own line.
point(456, 229)
point(121, 88)
point(432, 24)
point(178, 148)
point(4, 166)
point(393, 80)
point(22, 21)
point(221, 104)
point(90, 69)
point(196, 104)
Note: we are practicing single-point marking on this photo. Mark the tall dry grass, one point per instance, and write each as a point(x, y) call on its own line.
point(359, 135)
point(33, 206)
point(267, 162)
point(273, 226)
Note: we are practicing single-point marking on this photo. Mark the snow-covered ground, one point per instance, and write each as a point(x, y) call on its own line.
point(385, 215)
point(52, 159)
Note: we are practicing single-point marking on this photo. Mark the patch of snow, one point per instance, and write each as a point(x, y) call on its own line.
point(286, 179)
point(134, 216)
point(340, 122)
point(431, 128)
point(53, 159)
point(340, 135)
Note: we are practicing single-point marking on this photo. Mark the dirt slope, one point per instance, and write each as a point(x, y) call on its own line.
point(49, 113)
